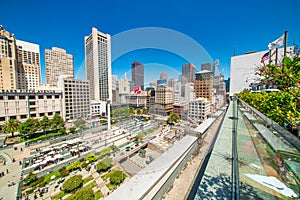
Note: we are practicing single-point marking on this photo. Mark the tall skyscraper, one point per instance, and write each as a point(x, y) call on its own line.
point(98, 65)
point(217, 72)
point(28, 65)
point(137, 74)
point(58, 62)
point(8, 60)
point(188, 73)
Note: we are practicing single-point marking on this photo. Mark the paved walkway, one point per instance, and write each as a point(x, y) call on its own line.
point(14, 170)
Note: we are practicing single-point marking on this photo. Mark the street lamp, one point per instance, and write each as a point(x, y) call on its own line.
point(108, 119)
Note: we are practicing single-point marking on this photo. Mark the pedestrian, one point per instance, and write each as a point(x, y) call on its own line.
point(7, 171)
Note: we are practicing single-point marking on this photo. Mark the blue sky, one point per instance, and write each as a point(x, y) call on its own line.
point(218, 26)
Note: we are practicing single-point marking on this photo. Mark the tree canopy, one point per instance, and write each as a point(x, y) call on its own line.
point(283, 106)
point(84, 193)
point(173, 118)
point(57, 122)
point(10, 127)
point(104, 165)
point(73, 183)
point(283, 76)
point(91, 158)
point(29, 127)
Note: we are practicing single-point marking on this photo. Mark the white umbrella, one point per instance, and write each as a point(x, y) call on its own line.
point(64, 145)
point(50, 153)
point(49, 158)
point(58, 156)
point(46, 149)
point(81, 148)
point(44, 162)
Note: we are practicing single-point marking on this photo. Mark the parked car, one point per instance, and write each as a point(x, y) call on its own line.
point(10, 183)
point(60, 180)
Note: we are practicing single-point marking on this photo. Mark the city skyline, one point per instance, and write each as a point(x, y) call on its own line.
point(223, 29)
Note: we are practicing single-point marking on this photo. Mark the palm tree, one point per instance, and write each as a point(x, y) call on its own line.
point(10, 127)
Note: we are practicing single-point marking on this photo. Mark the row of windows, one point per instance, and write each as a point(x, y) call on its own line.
point(22, 97)
point(2, 119)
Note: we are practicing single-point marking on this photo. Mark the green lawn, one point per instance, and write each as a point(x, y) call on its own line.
point(59, 195)
point(87, 179)
point(98, 195)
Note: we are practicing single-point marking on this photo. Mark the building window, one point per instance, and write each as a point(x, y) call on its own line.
point(33, 115)
point(31, 97)
point(32, 109)
point(50, 113)
point(13, 117)
point(23, 116)
point(56, 96)
point(2, 119)
point(42, 114)
point(49, 97)
point(11, 98)
point(41, 97)
point(1, 98)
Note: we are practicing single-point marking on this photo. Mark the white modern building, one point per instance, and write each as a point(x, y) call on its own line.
point(34, 103)
point(98, 108)
point(28, 65)
point(243, 68)
point(114, 82)
point(58, 62)
point(76, 98)
point(189, 94)
point(199, 110)
point(98, 65)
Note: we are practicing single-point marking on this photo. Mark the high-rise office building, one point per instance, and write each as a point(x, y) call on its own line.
point(203, 85)
point(76, 98)
point(137, 74)
point(58, 62)
point(217, 72)
point(28, 65)
point(207, 66)
point(188, 73)
point(98, 65)
point(8, 60)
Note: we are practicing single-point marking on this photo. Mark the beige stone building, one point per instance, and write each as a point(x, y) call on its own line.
point(164, 98)
point(8, 60)
point(28, 65)
point(58, 62)
point(23, 104)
